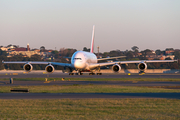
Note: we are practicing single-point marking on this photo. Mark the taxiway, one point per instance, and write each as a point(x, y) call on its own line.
point(120, 83)
point(86, 75)
point(87, 95)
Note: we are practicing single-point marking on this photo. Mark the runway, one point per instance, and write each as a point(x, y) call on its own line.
point(87, 95)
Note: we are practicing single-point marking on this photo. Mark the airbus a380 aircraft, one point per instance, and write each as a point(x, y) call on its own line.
point(82, 61)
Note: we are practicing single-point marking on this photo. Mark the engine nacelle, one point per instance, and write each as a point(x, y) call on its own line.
point(28, 67)
point(142, 66)
point(116, 68)
point(49, 68)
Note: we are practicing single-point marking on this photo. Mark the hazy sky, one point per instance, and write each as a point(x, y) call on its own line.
point(119, 24)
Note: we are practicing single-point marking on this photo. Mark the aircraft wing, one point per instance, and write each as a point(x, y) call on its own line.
point(110, 58)
point(38, 62)
point(128, 62)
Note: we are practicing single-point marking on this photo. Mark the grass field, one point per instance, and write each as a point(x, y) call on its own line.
point(88, 109)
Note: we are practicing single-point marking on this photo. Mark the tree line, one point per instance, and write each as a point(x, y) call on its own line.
point(64, 56)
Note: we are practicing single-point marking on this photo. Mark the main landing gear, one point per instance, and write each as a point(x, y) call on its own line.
point(82, 73)
point(91, 73)
point(99, 73)
point(76, 73)
point(71, 73)
point(79, 73)
point(94, 73)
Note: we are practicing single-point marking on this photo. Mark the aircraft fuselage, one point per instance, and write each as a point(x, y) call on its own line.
point(81, 60)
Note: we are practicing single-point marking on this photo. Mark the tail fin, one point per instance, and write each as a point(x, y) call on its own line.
point(92, 41)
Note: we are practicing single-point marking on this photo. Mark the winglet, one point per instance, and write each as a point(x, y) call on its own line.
point(2, 61)
point(92, 41)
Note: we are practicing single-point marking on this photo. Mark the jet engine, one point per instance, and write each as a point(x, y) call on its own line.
point(28, 67)
point(142, 66)
point(116, 68)
point(49, 68)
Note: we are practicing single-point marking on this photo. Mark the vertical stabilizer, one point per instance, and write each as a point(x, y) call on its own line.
point(92, 41)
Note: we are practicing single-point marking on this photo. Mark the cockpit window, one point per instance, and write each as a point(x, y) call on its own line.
point(77, 58)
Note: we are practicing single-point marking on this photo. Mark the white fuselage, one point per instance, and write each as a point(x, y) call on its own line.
point(81, 60)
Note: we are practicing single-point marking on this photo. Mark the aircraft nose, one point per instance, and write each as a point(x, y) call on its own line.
point(79, 65)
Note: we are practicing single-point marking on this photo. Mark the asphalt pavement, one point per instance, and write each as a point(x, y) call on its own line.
point(87, 95)
point(86, 75)
point(120, 83)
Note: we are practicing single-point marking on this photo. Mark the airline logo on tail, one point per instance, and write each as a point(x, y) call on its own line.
point(92, 41)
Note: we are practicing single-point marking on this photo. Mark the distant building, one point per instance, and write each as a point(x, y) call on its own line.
point(28, 49)
point(4, 48)
point(24, 51)
point(36, 50)
point(19, 49)
point(169, 52)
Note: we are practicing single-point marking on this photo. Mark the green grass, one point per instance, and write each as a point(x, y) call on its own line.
point(88, 109)
point(91, 89)
point(96, 79)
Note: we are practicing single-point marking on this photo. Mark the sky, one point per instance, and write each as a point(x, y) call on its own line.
point(119, 24)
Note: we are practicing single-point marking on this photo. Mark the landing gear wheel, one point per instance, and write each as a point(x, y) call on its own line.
point(71, 73)
point(99, 73)
point(76, 73)
point(91, 73)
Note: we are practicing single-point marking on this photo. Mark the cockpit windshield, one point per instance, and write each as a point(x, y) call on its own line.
point(77, 59)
